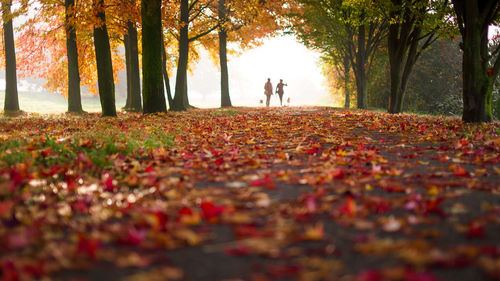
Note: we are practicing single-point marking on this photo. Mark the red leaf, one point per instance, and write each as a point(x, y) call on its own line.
point(350, 207)
point(266, 182)
point(88, 246)
point(420, 276)
point(283, 271)
point(311, 204)
point(211, 212)
point(219, 161)
point(9, 271)
point(476, 230)
point(461, 172)
point(150, 169)
point(134, 237)
point(109, 183)
point(5, 207)
point(237, 251)
point(36, 270)
point(370, 275)
point(245, 231)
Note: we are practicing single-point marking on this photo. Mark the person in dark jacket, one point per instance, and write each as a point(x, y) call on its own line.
point(280, 91)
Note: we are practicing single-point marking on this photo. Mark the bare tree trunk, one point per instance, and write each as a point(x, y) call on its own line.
point(166, 79)
point(346, 83)
point(478, 76)
point(11, 95)
point(180, 99)
point(104, 63)
point(225, 97)
point(135, 104)
point(152, 83)
point(74, 94)
point(361, 77)
point(128, 70)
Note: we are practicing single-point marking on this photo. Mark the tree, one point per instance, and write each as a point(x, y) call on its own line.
point(43, 52)
point(243, 23)
point(196, 13)
point(435, 85)
point(342, 29)
point(222, 13)
point(166, 78)
point(128, 17)
point(133, 103)
point(74, 95)
point(480, 67)
point(11, 95)
point(153, 93)
point(104, 62)
point(413, 28)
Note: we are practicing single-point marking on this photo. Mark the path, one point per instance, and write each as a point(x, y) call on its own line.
point(259, 194)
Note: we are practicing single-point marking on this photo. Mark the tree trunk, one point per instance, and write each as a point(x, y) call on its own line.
point(11, 95)
point(477, 81)
point(180, 99)
point(346, 83)
point(403, 45)
point(74, 95)
point(128, 70)
point(361, 77)
point(186, 98)
point(361, 88)
point(135, 78)
point(396, 53)
point(166, 79)
point(105, 78)
point(152, 81)
point(225, 98)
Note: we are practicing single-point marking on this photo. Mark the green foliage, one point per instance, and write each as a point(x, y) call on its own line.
point(435, 86)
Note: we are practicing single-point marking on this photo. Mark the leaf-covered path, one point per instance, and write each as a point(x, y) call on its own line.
point(249, 194)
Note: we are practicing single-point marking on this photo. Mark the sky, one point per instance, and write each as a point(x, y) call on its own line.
point(278, 58)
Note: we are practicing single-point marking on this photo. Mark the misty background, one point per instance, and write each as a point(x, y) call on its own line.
point(278, 58)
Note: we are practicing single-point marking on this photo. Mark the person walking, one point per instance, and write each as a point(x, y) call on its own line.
point(268, 91)
point(280, 91)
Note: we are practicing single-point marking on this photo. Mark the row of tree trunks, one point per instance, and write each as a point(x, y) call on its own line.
point(105, 79)
point(11, 97)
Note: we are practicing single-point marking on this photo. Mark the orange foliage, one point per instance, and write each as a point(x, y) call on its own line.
point(41, 46)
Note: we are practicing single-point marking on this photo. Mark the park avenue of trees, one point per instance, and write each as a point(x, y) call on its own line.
point(74, 43)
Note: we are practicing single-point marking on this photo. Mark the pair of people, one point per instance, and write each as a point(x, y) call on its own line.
point(268, 87)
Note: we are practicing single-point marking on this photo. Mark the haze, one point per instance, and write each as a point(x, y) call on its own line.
point(278, 58)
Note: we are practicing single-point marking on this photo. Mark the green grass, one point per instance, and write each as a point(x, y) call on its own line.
point(40, 102)
point(99, 147)
point(224, 112)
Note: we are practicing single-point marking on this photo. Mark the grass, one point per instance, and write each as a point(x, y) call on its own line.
point(224, 112)
point(100, 147)
point(40, 102)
